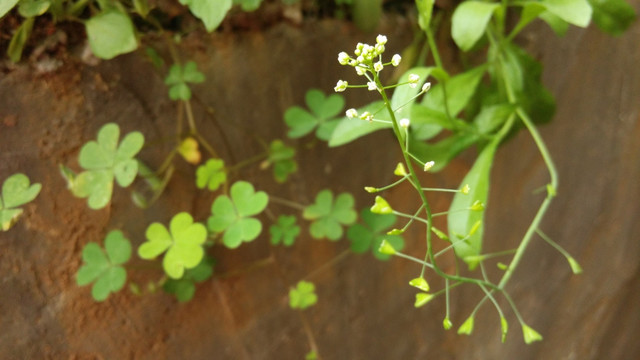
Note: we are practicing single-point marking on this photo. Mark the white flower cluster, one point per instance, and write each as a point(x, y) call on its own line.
point(366, 59)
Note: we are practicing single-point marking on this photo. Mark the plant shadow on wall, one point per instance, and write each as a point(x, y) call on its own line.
point(480, 107)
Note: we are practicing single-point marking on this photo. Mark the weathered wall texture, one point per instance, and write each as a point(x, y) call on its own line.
point(365, 309)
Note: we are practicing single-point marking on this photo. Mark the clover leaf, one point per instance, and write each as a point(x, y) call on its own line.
point(211, 174)
point(182, 242)
point(185, 288)
point(281, 156)
point(104, 266)
point(303, 295)
point(110, 34)
point(105, 159)
point(323, 109)
point(369, 236)
point(327, 215)
point(178, 78)
point(16, 191)
point(285, 230)
point(232, 215)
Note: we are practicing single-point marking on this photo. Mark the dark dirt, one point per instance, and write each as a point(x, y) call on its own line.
point(365, 309)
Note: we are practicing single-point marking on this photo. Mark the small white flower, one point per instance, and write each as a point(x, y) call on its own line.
point(395, 60)
point(379, 49)
point(360, 59)
point(361, 70)
point(413, 80)
point(352, 113)
point(341, 86)
point(426, 87)
point(366, 116)
point(353, 62)
point(404, 123)
point(378, 66)
point(372, 85)
point(343, 58)
point(428, 165)
point(381, 39)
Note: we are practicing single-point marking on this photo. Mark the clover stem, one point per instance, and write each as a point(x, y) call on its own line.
point(248, 161)
point(310, 338)
point(335, 260)
point(286, 202)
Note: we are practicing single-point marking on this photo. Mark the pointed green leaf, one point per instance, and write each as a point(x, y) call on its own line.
point(613, 16)
point(576, 12)
point(469, 22)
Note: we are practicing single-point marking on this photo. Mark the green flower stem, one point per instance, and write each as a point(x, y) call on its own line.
point(441, 190)
point(447, 288)
point(513, 307)
point(285, 202)
point(493, 300)
point(414, 259)
point(543, 207)
point(392, 185)
point(556, 246)
point(412, 217)
point(429, 256)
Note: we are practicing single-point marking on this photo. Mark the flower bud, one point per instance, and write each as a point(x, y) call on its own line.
point(343, 58)
point(341, 86)
point(428, 165)
point(352, 113)
point(404, 123)
point(395, 60)
point(381, 39)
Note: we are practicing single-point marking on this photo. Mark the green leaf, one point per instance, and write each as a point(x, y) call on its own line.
point(349, 129)
point(491, 117)
point(460, 221)
point(469, 22)
point(248, 5)
point(460, 90)
point(328, 216)
point(369, 236)
point(427, 123)
point(613, 16)
point(211, 12)
point(104, 267)
point(303, 295)
point(183, 243)
point(425, 9)
point(559, 26)
point(576, 12)
point(442, 152)
point(285, 230)
point(323, 109)
point(32, 8)
point(19, 39)
point(211, 175)
point(6, 6)
point(231, 215)
point(179, 76)
point(110, 34)
point(281, 156)
point(16, 191)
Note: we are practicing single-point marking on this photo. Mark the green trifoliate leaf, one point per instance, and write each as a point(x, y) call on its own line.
point(110, 34)
point(469, 22)
point(232, 215)
point(281, 157)
point(104, 266)
point(328, 216)
point(16, 191)
point(284, 231)
point(369, 236)
point(105, 160)
point(182, 243)
point(466, 327)
point(303, 295)
point(211, 175)
point(530, 335)
point(323, 110)
point(179, 76)
point(185, 288)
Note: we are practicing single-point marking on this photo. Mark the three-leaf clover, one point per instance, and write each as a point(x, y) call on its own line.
point(104, 160)
point(104, 266)
point(285, 230)
point(303, 295)
point(327, 215)
point(369, 236)
point(185, 288)
point(183, 243)
point(323, 109)
point(281, 156)
point(232, 215)
point(211, 174)
point(16, 191)
point(178, 78)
